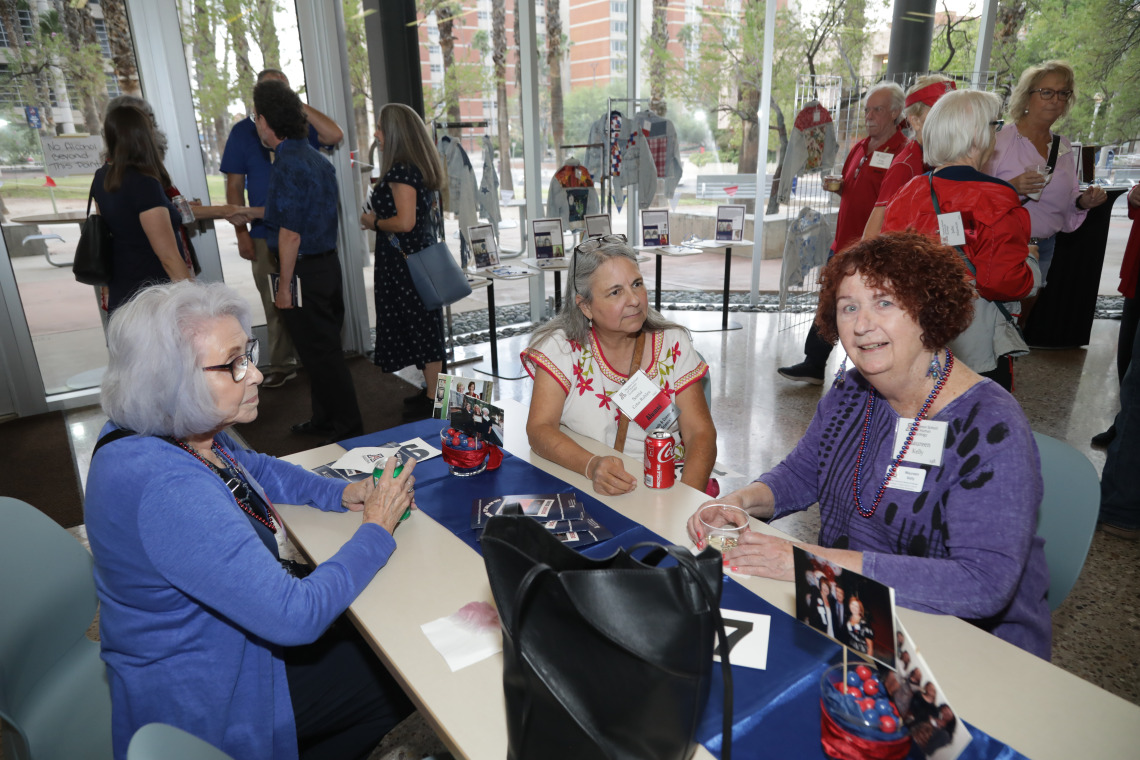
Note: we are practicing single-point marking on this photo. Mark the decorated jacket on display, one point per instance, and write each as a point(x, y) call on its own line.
point(606, 161)
point(812, 145)
point(808, 243)
point(654, 138)
point(571, 195)
point(489, 187)
point(462, 195)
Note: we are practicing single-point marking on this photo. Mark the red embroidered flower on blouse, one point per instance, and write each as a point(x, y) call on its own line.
point(585, 385)
point(676, 351)
point(578, 371)
point(603, 399)
point(575, 345)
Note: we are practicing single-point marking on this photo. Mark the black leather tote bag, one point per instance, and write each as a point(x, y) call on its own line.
point(607, 658)
point(93, 255)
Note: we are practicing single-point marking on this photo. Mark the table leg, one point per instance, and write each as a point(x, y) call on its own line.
point(491, 325)
point(557, 291)
point(727, 275)
point(657, 296)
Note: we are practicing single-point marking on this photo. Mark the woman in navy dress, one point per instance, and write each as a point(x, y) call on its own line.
point(402, 217)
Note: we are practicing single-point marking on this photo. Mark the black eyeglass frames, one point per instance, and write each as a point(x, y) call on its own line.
point(1047, 94)
point(239, 366)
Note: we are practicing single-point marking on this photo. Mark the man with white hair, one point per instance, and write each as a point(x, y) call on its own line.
point(863, 172)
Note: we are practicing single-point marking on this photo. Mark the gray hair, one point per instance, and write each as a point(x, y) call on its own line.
point(571, 320)
point(898, 97)
point(917, 109)
point(136, 102)
point(153, 384)
point(958, 124)
point(1019, 98)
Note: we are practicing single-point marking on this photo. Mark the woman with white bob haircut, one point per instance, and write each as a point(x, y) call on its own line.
point(958, 140)
point(202, 625)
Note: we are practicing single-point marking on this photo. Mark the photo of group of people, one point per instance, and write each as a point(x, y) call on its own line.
point(850, 608)
point(730, 222)
point(654, 227)
point(484, 249)
point(465, 402)
point(934, 727)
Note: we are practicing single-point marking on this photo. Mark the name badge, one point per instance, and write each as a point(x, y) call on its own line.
point(950, 228)
point(908, 479)
point(881, 159)
point(646, 403)
point(929, 440)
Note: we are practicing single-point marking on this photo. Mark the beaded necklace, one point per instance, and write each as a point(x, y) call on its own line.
point(243, 504)
point(857, 481)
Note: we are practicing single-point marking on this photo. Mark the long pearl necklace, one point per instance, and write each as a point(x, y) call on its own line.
point(857, 481)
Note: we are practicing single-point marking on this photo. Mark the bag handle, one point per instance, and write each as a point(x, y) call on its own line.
point(623, 423)
point(1053, 153)
point(969, 264)
point(526, 590)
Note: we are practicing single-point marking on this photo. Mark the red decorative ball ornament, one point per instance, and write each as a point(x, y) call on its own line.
point(871, 688)
point(888, 724)
point(863, 672)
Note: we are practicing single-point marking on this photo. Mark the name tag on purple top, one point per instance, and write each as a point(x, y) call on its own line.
point(929, 439)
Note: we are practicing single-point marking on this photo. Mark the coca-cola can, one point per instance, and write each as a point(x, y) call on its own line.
point(184, 209)
point(659, 472)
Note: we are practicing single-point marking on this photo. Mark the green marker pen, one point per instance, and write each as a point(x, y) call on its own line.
point(378, 472)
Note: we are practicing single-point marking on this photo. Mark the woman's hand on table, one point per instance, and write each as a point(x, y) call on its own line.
point(387, 501)
point(610, 478)
point(1093, 196)
point(1028, 183)
point(697, 529)
point(763, 555)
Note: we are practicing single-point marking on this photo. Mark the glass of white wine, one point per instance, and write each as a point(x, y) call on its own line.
point(723, 525)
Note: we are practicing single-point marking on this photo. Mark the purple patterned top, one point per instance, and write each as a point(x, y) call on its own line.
point(965, 544)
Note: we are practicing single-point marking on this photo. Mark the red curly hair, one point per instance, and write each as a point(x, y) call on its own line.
point(927, 279)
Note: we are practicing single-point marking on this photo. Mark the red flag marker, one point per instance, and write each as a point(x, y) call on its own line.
point(49, 182)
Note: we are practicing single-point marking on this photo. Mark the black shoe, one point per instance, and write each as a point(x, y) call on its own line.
point(420, 409)
point(308, 428)
point(804, 372)
point(1101, 440)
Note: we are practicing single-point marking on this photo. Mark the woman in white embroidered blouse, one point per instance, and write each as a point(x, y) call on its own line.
point(586, 353)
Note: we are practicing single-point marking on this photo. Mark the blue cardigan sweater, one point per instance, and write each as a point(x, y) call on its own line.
point(194, 609)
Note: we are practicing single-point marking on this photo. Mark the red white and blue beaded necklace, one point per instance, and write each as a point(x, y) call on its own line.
point(857, 480)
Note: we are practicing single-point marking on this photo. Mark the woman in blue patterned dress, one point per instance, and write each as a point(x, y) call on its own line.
point(411, 173)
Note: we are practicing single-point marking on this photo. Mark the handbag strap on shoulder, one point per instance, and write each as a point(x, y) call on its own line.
point(1053, 153)
point(623, 423)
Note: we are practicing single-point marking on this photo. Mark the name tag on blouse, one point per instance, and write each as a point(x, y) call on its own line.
point(907, 479)
point(929, 440)
point(881, 159)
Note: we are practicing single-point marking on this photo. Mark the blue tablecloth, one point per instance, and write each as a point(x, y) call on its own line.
point(776, 711)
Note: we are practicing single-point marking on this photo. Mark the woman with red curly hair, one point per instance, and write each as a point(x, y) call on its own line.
point(926, 474)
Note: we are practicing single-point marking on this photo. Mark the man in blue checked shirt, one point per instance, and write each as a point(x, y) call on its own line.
point(300, 216)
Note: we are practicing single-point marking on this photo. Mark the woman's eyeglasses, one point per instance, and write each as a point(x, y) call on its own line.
point(997, 124)
point(239, 366)
point(591, 244)
point(1048, 94)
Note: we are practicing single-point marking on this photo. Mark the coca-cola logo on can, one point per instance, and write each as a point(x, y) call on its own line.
point(665, 454)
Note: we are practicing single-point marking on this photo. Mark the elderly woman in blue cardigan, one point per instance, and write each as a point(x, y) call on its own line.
point(202, 626)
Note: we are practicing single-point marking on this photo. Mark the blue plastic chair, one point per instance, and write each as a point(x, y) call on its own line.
point(158, 741)
point(1068, 514)
point(54, 697)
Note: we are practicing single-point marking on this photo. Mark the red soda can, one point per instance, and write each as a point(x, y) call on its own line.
point(659, 472)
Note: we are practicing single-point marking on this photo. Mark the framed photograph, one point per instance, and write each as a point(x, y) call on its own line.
point(484, 249)
point(730, 222)
point(598, 225)
point(455, 393)
point(547, 237)
point(845, 606)
point(655, 227)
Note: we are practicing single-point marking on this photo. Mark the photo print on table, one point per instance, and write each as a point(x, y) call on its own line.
point(451, 392)
point(598, 225)
point(730, 222)
point(484, 249)
point(547, 237)
point(654, 227)
point(850, 608)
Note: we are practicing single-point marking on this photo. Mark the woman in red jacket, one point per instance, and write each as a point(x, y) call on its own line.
point(980, 214)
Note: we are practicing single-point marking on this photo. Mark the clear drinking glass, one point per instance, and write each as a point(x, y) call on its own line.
point(723, 525)
point(1044, 171)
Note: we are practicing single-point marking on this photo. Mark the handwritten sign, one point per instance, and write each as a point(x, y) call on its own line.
point(65, 156)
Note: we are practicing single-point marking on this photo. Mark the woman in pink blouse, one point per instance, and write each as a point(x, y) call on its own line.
point(1055, 203)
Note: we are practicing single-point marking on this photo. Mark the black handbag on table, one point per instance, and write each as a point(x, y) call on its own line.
point(608, 658)
point(93, 255)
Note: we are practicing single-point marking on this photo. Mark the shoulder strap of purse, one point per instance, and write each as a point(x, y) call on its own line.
point(90, 195)
point(1053, 152)
point(969, 264)
point(111, 437)
point(623, 424)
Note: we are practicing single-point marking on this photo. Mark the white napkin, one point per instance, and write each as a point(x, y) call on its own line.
point(466, 637)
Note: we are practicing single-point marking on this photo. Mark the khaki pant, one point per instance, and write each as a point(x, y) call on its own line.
point(282, 356)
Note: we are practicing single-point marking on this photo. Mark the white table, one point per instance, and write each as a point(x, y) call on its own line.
point(1036, 708)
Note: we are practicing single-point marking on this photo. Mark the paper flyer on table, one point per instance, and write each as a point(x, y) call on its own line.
point(366, 458)
point(646, 403)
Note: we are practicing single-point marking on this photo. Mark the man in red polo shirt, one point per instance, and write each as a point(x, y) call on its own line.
point(863, 173)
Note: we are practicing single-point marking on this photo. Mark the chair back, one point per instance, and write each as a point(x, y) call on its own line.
point(53, 685)
point(1069, 509)
point(158, 741)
